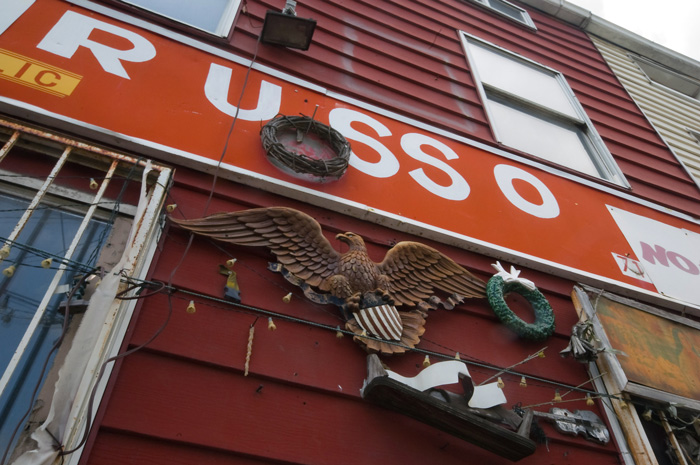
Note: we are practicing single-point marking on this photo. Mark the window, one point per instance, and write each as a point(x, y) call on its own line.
point(532, 108)
point(66, 208)
point(695, 134)
point(502, 7)
point(213, 16)
point(668, 78)
point(50, 229)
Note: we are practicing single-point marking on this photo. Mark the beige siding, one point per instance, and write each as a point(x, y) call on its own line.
point(671, 112)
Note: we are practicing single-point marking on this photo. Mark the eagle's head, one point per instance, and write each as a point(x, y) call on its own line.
point(354, 241)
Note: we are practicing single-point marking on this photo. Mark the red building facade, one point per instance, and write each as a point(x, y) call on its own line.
point(488, 131)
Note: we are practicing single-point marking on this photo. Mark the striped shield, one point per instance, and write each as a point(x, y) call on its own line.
point(382, 321)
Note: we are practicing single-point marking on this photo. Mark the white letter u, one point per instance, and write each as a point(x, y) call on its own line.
point(216, 90)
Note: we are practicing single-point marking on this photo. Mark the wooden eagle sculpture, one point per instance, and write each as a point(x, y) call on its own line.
point(368, 292)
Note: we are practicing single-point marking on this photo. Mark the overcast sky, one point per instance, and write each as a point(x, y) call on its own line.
point(674, 24)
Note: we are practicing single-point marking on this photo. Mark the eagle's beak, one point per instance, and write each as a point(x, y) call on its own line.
point(342, 237)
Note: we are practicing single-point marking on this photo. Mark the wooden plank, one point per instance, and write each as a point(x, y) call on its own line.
point(394, 395)
point(615, 382)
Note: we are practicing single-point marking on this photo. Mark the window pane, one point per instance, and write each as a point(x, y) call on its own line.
point(506, 9)
point(51, 230)
point(204, 14)
point(546, 139)
point(673, 80)
point(522, 79)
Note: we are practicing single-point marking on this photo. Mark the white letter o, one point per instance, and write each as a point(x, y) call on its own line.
point(505, 174)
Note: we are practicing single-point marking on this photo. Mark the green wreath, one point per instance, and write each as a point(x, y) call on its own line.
point(497, 289)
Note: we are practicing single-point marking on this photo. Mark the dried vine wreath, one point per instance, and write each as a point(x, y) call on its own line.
point(299, 162)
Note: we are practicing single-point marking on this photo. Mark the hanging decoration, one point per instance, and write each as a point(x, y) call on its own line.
point(365, 291)
point(232, 291)
point(305, 148)
point(4, 252)
point(557, 396)
point(503, 283)
point(249, 349)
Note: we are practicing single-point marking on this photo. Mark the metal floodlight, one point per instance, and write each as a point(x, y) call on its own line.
point(286, 29)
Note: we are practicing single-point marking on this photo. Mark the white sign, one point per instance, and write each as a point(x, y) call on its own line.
point(670, 256)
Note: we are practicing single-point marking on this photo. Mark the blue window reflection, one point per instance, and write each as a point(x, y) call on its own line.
point(51, 230)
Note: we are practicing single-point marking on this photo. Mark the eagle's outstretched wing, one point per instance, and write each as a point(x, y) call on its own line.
point(294, 237)
point(414, 270)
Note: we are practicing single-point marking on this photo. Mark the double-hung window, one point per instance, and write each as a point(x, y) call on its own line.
point(66, 209)
point(212, 16)
point(531, 108)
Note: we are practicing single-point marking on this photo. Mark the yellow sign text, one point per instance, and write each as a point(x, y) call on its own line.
point(37, 75)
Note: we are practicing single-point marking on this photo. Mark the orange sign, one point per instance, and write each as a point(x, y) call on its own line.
point(144, 86)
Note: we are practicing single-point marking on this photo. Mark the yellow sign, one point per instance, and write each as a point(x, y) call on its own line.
point(37, 75)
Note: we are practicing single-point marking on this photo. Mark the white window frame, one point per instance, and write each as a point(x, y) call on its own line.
point(670, 77)
point(144, 237)
point(599, 154)
point(224, 25)
point(695, 133)
point(523, 19)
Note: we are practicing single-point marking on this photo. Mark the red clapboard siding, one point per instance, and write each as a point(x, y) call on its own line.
point(410, 61)
point(184, 397)
point(118, 448)
point(199, 406)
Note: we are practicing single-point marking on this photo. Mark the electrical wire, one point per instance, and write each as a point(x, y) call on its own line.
point(233, 124)
point(170, 290)
point(268, 313)
point(161, 287)
point(72, 264)
point(157, 287)
point(158, 290)
point(103, 367)
point(175, 269)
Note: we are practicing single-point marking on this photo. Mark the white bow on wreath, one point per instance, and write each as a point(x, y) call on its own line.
point(513, 276)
